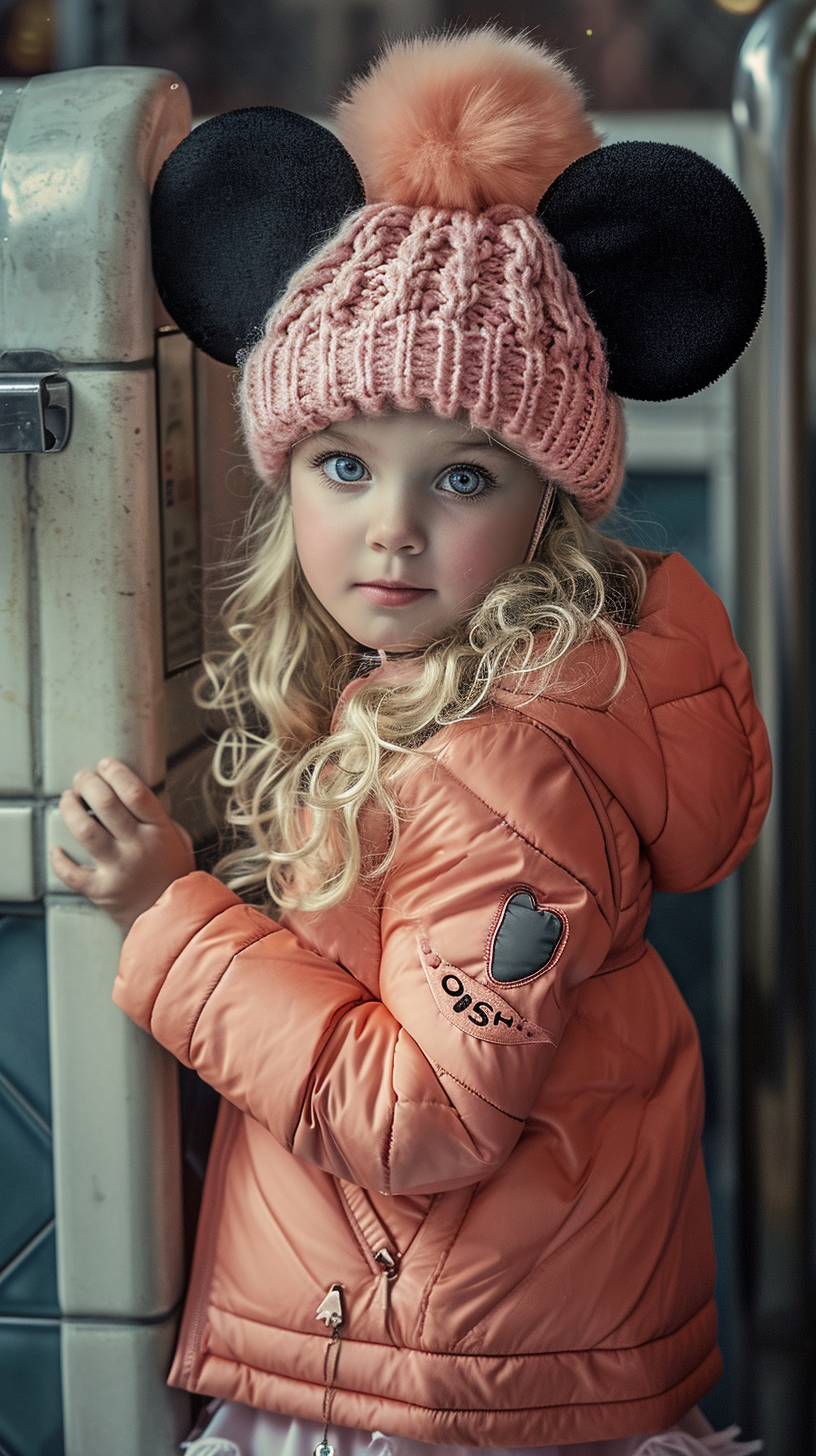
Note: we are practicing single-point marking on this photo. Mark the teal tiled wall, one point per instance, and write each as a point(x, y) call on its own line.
point(30, 1391)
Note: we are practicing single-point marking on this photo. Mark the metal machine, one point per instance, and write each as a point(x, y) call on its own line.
point(102, 517)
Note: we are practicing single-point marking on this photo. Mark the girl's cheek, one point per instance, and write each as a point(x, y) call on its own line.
point(474, 555)
point(317, 538)
point(313, 546)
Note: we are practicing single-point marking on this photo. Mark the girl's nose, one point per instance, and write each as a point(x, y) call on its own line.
point(395, 524)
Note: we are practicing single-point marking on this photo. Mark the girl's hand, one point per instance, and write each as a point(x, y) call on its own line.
point(139, 850)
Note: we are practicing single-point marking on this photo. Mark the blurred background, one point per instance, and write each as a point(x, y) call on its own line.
point(632, 55)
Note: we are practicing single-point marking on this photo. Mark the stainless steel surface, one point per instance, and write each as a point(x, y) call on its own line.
point(773, 105)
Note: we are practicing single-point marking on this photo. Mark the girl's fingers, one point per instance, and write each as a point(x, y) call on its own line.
point(133, 792)
point(118, 798)
point(76, 877)
point(138, 849)
point(103, 810)
point(87, 829)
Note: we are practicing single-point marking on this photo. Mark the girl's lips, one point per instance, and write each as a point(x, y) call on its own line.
point(391, 596)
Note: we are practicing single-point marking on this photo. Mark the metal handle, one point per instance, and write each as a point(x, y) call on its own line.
point(35, 414)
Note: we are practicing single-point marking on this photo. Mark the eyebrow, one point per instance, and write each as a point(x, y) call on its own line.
point(336, 432)
point(478, 445)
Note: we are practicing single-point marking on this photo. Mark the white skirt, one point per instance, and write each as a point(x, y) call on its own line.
point(229, 1429)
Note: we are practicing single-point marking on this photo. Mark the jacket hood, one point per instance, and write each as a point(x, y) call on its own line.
point(682, 747)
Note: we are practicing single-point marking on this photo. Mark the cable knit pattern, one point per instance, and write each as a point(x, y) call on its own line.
point(411, 308)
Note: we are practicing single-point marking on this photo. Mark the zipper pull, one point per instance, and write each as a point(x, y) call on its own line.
point(331, 1308)
point(390, 1270)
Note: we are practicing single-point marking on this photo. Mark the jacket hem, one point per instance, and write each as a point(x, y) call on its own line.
point(538, 1424)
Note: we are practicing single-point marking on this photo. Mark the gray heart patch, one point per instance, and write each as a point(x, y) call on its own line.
point(525, 939)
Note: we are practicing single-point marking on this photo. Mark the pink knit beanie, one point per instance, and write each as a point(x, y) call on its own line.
point(469, 246)
point(446, 293)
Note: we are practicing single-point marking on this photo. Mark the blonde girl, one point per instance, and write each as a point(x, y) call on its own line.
point(456, 1193)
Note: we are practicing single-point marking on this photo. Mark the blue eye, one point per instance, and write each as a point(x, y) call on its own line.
point(466, 480)
point(345, 469)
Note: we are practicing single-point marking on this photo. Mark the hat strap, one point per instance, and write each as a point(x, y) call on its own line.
point(541, 519)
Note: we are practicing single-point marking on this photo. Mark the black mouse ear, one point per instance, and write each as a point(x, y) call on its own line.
point(237, 207)
point(669, 260)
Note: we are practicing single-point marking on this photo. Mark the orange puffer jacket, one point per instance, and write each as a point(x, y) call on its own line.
point(475, 1103)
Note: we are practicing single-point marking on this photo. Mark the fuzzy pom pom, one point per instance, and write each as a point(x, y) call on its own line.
point(464, 122)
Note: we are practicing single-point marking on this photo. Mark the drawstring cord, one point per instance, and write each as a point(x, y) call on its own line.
point(324, 1448)
point(331, 1311)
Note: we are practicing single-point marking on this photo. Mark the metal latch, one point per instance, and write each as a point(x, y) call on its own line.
point(35, 414)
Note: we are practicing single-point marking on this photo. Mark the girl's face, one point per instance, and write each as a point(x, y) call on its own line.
point(402, 521)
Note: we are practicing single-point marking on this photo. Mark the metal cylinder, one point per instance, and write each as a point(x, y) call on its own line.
point(773, 105)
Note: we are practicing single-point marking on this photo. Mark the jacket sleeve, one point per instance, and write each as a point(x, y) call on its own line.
point(429, 1086)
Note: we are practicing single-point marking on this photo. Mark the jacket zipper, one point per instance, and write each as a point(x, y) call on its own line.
point(390, 1269)
point(373, 1239)
point(332, 1311)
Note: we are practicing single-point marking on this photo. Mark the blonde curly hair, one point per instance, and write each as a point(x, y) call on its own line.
point(295, 787)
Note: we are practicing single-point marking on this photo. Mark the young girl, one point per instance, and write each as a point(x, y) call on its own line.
point(456, 1194)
